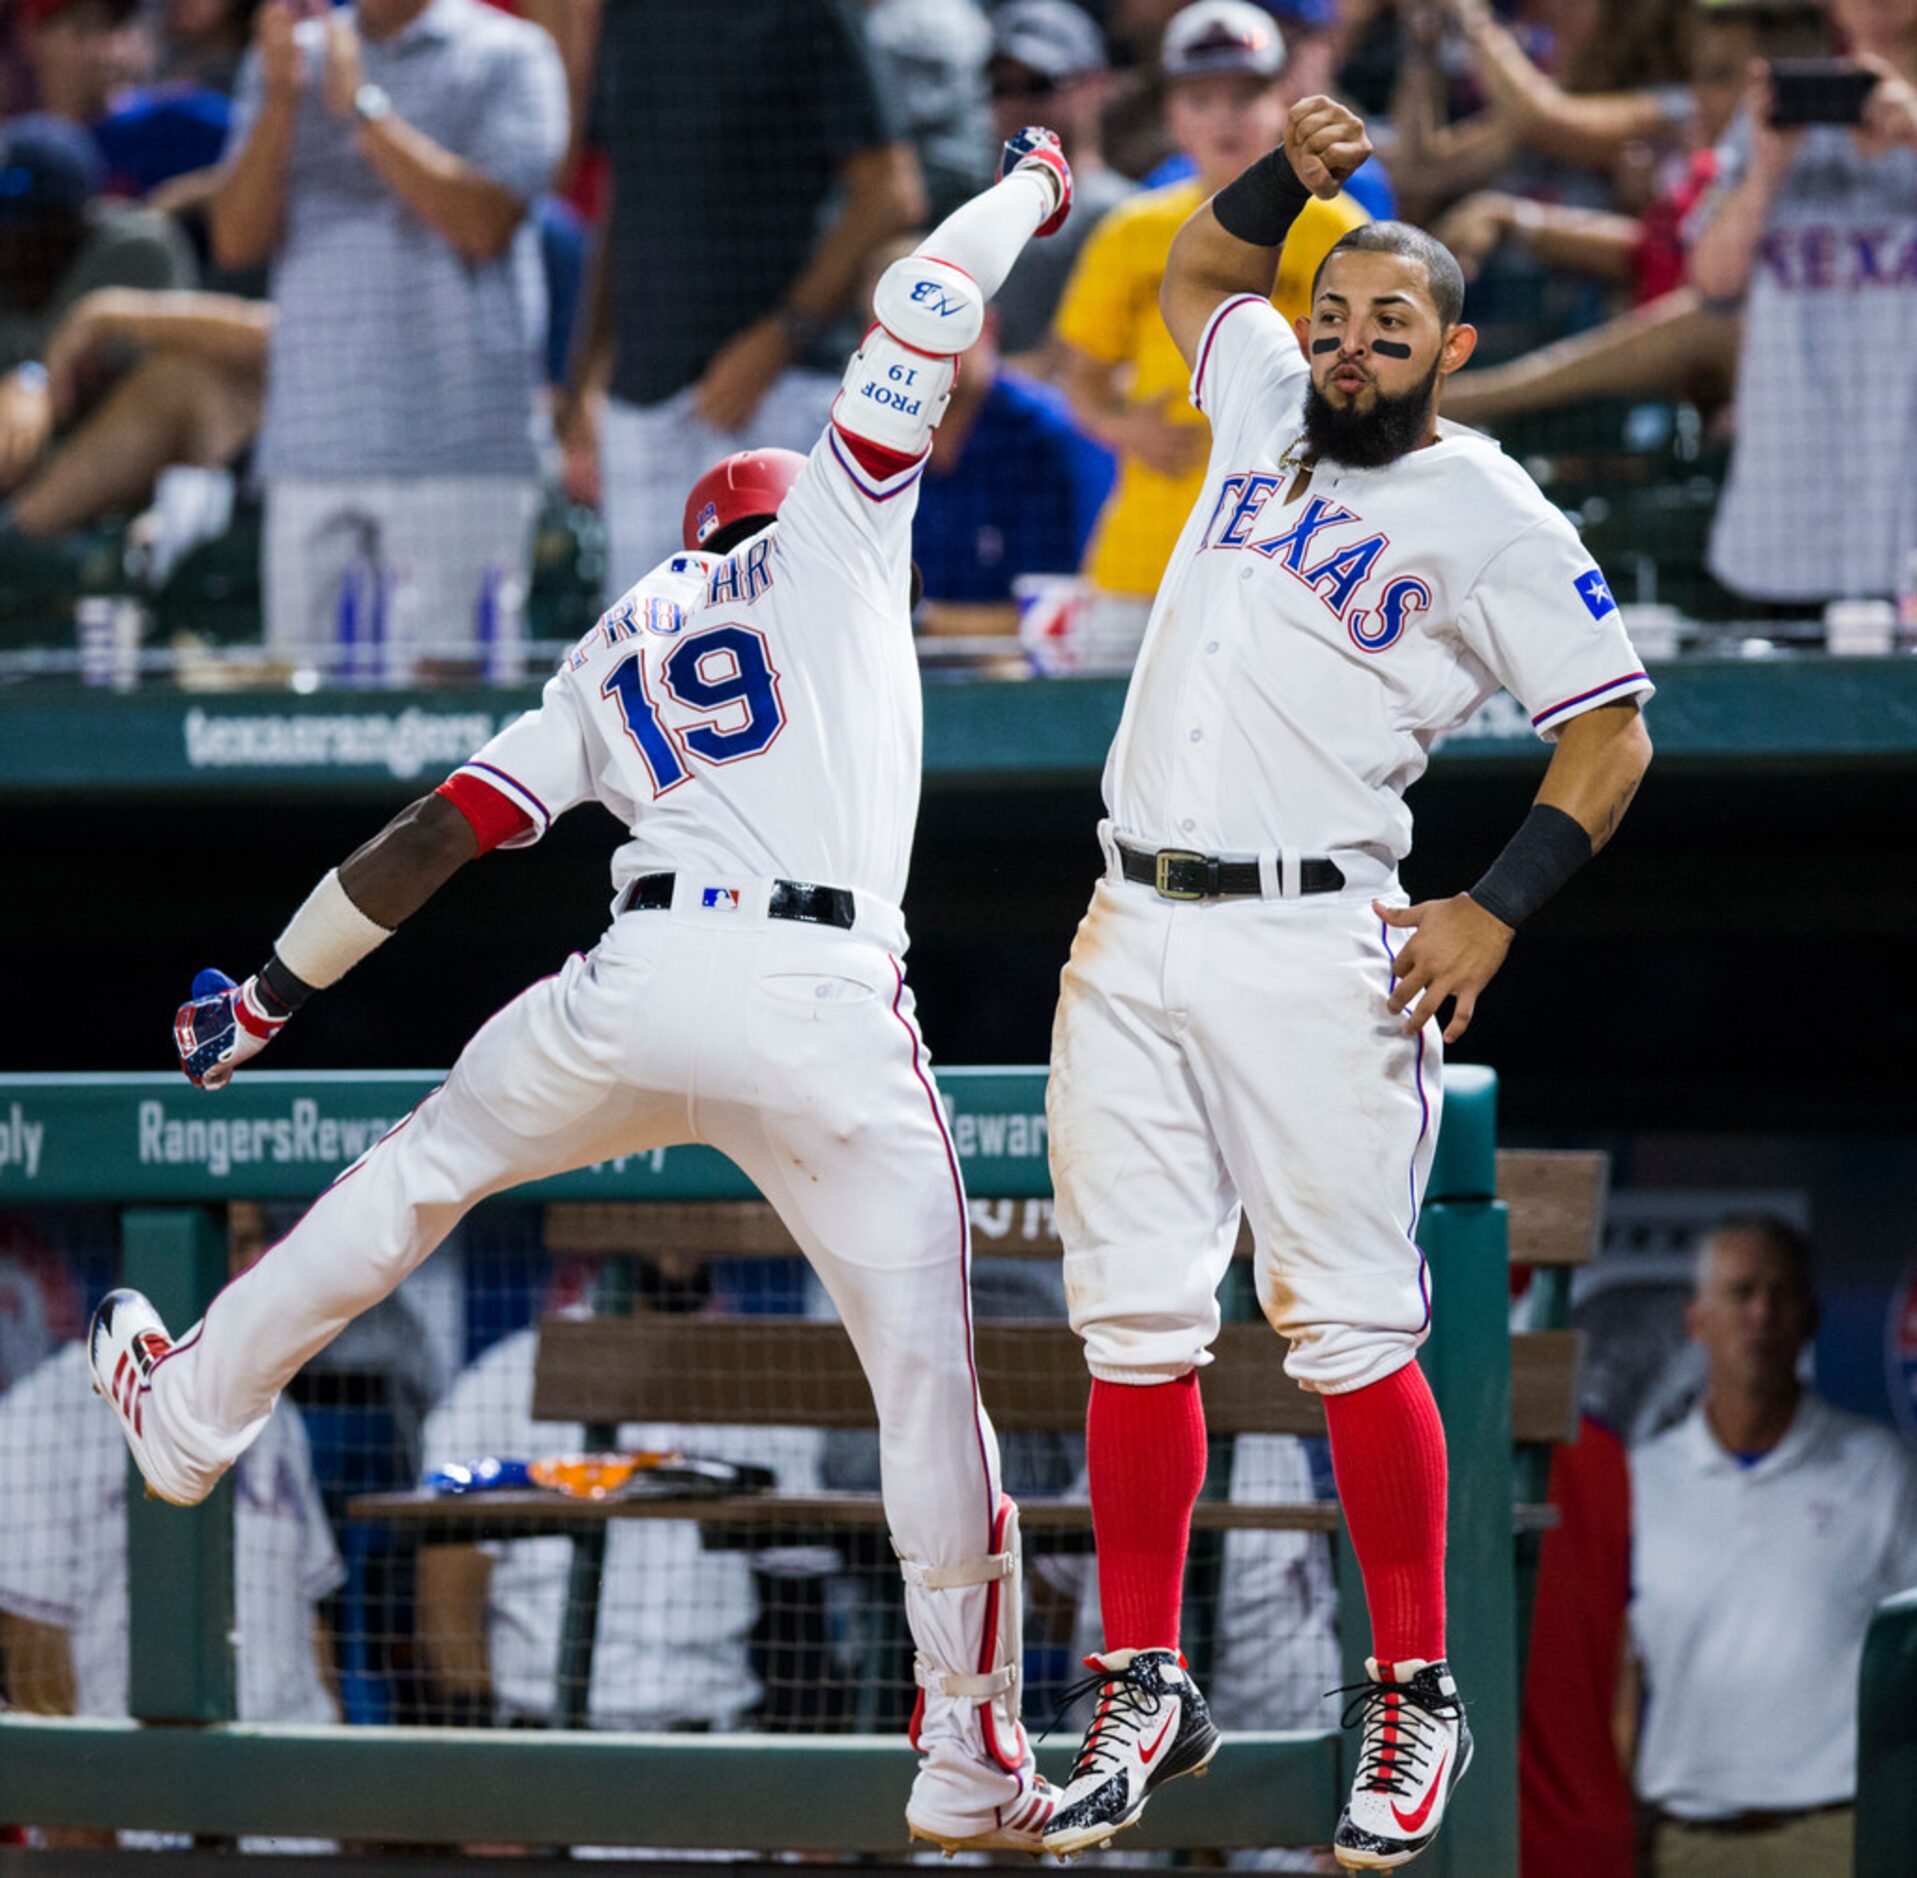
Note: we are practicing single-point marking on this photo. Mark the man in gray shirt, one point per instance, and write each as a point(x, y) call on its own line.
point(383, 157)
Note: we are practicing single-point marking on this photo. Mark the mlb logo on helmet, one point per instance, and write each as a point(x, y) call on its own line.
point(708, 520)
point(724, 897)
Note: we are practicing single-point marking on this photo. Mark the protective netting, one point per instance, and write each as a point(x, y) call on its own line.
point(519, 1608)
point(379, 346)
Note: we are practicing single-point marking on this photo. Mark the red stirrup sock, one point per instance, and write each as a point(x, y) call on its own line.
point(1387, 1450)
point(1145, 1454)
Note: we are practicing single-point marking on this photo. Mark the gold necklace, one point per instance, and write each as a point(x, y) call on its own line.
point(1295, 457)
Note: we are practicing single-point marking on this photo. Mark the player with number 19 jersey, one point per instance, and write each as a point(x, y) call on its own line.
point(751, 715)
point(750, 712)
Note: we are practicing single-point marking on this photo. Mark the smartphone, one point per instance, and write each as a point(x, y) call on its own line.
point(1818, 91)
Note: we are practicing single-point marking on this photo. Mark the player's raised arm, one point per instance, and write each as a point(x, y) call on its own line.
point(1231, 244)
point(1458, 944)
point(930, 306)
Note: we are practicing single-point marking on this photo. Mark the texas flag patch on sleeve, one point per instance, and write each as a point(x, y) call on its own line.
point(1595, 591)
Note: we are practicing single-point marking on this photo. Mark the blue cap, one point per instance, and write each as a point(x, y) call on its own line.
point(48, 166)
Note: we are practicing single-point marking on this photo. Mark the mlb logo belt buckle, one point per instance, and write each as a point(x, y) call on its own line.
point(1162, 864)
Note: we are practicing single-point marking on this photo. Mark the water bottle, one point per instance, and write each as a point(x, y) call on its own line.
point(107, 629)
point(353, 622)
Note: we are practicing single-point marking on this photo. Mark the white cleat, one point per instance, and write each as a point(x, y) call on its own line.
point(1150, 1726)
point(124, 1341)
point(1414, 1747)
point(1015, 1828)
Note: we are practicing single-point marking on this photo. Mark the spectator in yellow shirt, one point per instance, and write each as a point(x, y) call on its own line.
point(1224, 107)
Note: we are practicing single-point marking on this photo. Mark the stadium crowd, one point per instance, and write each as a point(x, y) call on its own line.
point(382, 340)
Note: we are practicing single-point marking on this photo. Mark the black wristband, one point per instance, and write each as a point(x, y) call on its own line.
point(1549, 847)
point(281, 987)
point(1261, 204)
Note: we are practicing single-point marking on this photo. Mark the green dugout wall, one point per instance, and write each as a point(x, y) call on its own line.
point(166, 1152)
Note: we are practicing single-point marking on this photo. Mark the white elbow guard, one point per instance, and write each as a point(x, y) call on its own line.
point(894, 396)
point(930, 305)
point(900, 378)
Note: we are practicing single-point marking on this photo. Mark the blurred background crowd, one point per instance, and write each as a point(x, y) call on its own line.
point(379, 344)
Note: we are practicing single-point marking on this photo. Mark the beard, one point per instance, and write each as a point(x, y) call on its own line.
point(1369, 439)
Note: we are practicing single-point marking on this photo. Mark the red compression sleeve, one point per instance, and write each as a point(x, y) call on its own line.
point(874, 458)
point(494, 819)
point(1387, 1450)
point(1145, 1454)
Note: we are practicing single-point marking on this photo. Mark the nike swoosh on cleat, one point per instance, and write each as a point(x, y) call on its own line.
point(1147, 1755)
point(1422, 1812)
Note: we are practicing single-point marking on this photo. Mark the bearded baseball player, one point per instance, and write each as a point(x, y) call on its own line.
point(750, 711)
point(1250, 1016)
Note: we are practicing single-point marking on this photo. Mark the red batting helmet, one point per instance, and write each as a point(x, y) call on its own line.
point(753, 482)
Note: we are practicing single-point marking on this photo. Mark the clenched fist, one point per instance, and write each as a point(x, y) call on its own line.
point(1038, 149)
point(222, 1025)
point(1326, 142)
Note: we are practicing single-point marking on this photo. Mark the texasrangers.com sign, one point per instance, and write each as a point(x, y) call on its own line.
point(405, 743)
point(275, 1135)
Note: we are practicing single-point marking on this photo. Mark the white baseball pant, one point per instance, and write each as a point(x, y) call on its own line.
point(792, 1049)
point(1213, 1056)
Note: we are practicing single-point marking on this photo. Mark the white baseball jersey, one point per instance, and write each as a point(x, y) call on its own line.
point(752, 719)
point(754, 715)
point(63, 1546)
point(1303, 655)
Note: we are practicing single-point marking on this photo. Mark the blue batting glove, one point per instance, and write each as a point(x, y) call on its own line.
point(221, 1026)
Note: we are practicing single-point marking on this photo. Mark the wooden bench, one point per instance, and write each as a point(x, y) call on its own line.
point(641, 1367)
point(764, 1371)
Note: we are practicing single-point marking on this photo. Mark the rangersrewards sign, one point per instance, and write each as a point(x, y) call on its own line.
point(276, 1135)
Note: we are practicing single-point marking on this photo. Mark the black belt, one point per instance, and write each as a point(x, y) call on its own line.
point(791, 899)
point(1179, 874)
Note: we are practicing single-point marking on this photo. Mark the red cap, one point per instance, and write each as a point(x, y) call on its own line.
point(753, 482)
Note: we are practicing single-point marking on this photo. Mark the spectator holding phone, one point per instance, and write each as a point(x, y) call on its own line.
point(1813, 227)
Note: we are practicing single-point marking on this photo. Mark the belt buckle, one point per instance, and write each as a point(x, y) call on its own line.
point(1162, 863)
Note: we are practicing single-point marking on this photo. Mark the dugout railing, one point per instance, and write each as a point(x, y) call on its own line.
point(165, 1154)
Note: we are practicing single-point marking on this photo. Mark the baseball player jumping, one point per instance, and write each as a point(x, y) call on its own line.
point(1250, 1016)
point(751, 712)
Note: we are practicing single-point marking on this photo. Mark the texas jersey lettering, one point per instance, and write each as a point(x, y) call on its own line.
point(1320, 646)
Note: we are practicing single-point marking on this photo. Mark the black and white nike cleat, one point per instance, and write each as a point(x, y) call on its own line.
point(125, 1340)
point(1413, 1749)
point(1151, 1725)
